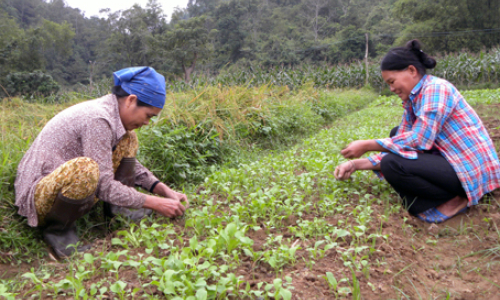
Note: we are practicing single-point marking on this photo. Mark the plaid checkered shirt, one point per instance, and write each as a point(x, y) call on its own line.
point(438, 117)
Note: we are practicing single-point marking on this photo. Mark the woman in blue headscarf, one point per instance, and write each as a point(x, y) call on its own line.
point(87, 153)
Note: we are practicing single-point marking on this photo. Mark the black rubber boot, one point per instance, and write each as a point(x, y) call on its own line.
point(60, 230)
point(126, 175)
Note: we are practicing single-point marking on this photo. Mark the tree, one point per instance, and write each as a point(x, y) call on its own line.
point(10, 38)
point(311, 12)
point(134, 32)
point(449, 25)
point(196, 8)
point(351, 45)
point(384, 26)
point(25, 11)
point(188, 43)
point(232, 28)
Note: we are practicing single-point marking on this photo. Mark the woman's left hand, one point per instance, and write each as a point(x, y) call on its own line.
point(179, 196)
point(163, 190)
point(344, 170)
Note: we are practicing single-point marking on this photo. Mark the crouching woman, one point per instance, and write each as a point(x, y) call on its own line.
point(87, 153)
point(440, 159)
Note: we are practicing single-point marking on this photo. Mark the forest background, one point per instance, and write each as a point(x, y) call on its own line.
point(41, 38)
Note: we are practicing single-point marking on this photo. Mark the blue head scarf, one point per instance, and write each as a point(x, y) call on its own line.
point(144, 82)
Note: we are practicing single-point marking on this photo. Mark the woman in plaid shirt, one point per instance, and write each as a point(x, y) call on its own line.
point(440, 159)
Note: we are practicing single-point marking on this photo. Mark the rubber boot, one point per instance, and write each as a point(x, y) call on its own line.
point(60, 229)
point(126, 175)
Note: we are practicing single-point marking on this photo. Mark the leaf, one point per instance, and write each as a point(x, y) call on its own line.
point(193, 242)
point(103, 290)
point(341, 233)
point(201, 294)
point(89, 258)
point(231, 229)
point(118, 286)
point(286, 294)
point(332, 281)
point(117, 241)
point(344, 291)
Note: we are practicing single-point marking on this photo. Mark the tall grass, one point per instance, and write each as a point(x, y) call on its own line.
point(341, 76)
point(20, 123)
point(467, 69)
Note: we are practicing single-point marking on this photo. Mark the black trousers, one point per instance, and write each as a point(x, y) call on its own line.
point(422, 183)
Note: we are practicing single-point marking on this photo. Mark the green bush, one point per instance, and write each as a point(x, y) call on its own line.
point(31, 84)
point(179, 154)
point(286, 123)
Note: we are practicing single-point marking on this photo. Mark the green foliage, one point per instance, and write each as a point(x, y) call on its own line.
point(232, 21)
point(31, 84)
point(341, 76)
point(204, 129)
point(213, 37)
point(462, 69)
point(188, 43)
point(133, 37)
point(466, 24)
point(179, 154)
point(6, 295)
point(295, 118)
point(467, 69)
point(10, 35)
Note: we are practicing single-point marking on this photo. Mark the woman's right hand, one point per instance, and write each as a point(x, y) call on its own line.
point(358, 148)
point(167, 207)
point(355, 149)
point(344, 170)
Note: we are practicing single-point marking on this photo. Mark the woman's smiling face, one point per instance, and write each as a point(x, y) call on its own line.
point(402, 82)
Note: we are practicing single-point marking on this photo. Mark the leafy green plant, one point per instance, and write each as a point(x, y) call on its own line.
point(231, 237)
point(279, 291)
point(4, 293)
point(178, 153)
point(31, 84)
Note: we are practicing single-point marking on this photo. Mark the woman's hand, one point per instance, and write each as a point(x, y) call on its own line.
point(179, 197)
point(358, 148)
point(163, 190)
point(354, 149)
point(167, 207)
point(344, 170)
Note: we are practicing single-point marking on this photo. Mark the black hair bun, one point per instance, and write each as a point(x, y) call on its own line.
point(429, 62)
point(416, 47)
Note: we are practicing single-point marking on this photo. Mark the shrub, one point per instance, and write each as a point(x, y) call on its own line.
point(179, 154)
point(31, 84)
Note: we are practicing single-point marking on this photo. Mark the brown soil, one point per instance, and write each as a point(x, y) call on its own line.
point(421, 259)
